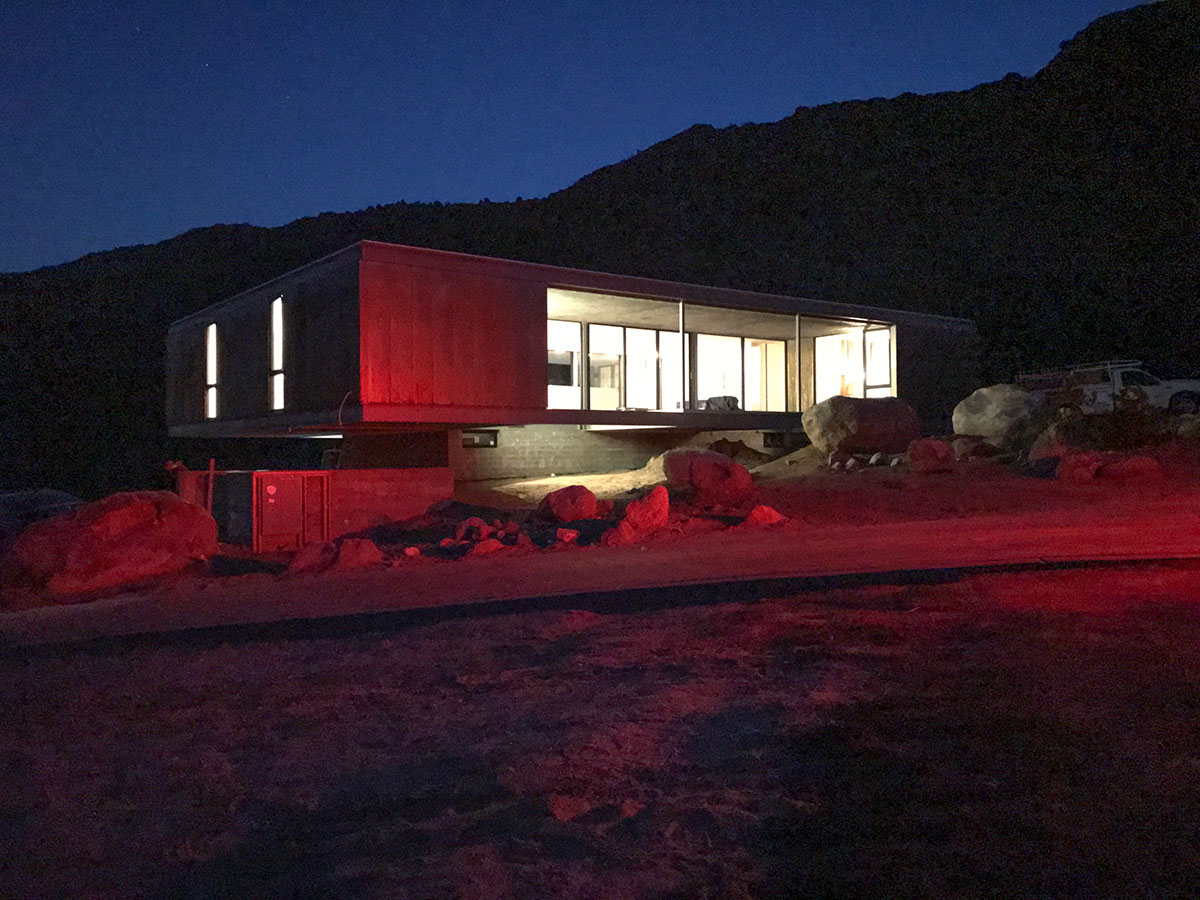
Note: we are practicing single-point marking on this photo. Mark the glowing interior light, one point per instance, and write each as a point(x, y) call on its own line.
point(210, 371)
point(210, 347)
point(277, 334)
point(277, 353)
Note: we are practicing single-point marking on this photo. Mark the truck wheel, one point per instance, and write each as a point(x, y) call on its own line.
point(1184, 402)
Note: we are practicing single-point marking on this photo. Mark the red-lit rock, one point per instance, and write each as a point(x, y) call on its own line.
point(650, 512)
point(313, 558)
point(120, 540)
point(604, 508)
point(641, 517)
point(566, 535)
point(1079, 467)
point(762, 516)
point(569, 504)
point(710, 476)
point(356, 553)
point(1135, 468)
point(484, 547)
point(927, 455)
point(472, 529)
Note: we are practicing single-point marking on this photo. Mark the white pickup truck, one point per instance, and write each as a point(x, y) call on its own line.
point(1095, 385)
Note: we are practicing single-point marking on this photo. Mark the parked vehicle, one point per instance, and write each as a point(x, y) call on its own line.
point(1095, 386)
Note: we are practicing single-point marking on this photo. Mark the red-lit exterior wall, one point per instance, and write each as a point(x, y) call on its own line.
point(469, 336)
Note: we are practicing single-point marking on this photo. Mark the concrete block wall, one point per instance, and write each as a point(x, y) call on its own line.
point(538, 450)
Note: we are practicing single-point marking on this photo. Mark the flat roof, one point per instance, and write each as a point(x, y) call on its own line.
point(590, 280)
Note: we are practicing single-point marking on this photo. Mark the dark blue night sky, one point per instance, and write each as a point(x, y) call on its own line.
point(126, 123)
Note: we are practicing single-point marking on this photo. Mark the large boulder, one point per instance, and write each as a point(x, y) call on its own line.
point(710, 476)
point(1004, 415)
point(853, 425)
point(569, 504)
point(123, 539)
point(928, 455)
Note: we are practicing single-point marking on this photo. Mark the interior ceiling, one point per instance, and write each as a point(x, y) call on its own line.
point(635, 312)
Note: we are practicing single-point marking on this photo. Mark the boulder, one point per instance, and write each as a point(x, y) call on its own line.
point(972, 447)
point(1079, 467)
point(357, 553)
point(1134, 468)
point(1002, 414)
point(739, 452)
point(762, 516)
point(123, 539)
point(569, 504)
point(853, 425)
point(650, 512)
point(316, 557)
point(341, 556)
point(927, 455)
point(708, 475)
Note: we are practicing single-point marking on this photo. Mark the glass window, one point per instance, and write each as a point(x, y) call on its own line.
point(1138, 378)
point(563, 348)
point(671, 364)
point(879, 358)
point(277, 399)
point(718, 371)
point(606, 352)
point(210, 371)
point(641, 369)
point(838, 361)
point(766, 381)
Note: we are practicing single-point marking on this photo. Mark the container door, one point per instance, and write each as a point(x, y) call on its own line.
point(280, 511)
point(315, 490)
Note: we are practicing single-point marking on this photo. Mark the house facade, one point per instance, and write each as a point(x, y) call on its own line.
point(425, 357)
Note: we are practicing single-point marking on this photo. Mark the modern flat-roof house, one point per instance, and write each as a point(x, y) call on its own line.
point(496, 367)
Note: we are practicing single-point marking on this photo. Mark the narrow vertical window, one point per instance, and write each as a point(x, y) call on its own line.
point(210, 371)
point(277, 353)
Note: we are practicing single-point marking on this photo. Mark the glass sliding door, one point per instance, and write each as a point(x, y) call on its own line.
point(671, 366)
point(606, 355)
point(641, 369)
point(564, 347)
point(718, 371)
point(766, 378)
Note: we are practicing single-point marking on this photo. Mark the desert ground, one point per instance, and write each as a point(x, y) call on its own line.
point(1027, 731)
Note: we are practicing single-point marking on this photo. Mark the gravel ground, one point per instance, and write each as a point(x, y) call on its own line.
point(1009, 734)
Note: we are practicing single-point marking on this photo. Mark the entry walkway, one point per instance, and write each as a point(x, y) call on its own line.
point(1163, 530)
